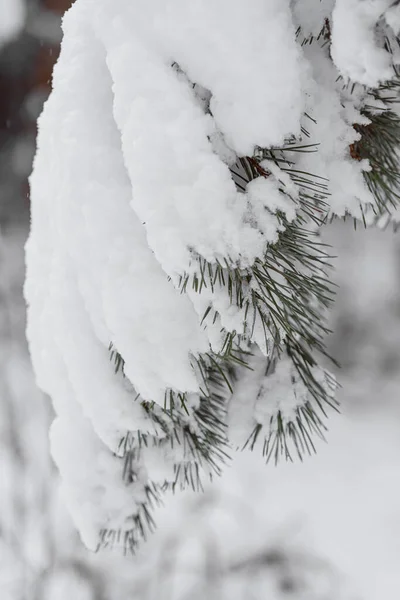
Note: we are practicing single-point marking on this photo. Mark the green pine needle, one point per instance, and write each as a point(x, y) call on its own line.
point(379, 144)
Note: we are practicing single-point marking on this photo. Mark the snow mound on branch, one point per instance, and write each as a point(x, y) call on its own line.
point(266, 391)
point(165, 133)
point(311, 15)
point(392, 18)
point(333, 133)
point(354, 46)
point(258, 37)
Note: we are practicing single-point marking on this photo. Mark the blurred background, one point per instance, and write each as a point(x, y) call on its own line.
point(327, 529)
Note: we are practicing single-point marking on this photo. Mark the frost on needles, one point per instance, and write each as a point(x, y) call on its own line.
point(177, 287)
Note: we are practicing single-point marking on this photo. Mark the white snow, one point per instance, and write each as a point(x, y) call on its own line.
point(264, 391)
point(165, 131)
point(92, 480)
point(392, 18)
point(311, 15)
point(335, 110)
point(354, 46)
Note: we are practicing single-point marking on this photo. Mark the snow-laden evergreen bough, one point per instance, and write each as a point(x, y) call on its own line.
point(176, 284)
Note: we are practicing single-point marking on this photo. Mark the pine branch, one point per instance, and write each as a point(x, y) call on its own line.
point(288, 290)
point(143, 524)
point(199, 433)
point(289, 437)
point(379, 144)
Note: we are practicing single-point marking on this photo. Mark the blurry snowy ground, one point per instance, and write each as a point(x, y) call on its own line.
point(327, 529)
